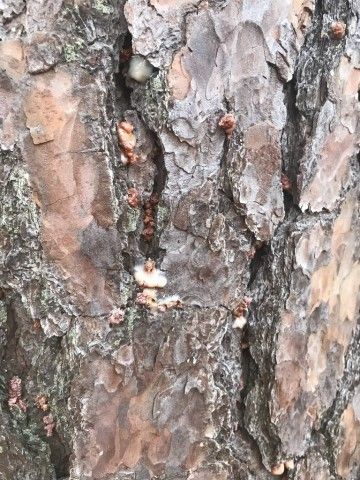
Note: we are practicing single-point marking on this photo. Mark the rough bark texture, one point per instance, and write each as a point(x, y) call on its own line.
point(96, 385)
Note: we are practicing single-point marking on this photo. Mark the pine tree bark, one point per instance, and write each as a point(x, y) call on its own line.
point(116, 149)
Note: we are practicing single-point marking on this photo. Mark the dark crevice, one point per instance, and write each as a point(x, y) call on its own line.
point(125, 98)
point(249, 368)
point(231, 380)
point(323, 90)
point(225, 187)
point(126, 257)
point(60, 447)
point(122, 93)
point(293, 143)
point(289, 203)
point(270, 291)
point(161, 172)
point(229, 143)
point(151, 249)
point(118, 102)
point(125, 47)
point(59, 456)
point(121, 101)
point(250, 373)
point(118, 98)
point(12, 358)
point(257, 261)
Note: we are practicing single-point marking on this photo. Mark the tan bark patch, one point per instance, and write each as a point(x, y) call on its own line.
point(349, 453)
point(12, 58)
point(260, 179)
point(352, 83)
point(336, 285)
point(67, 182)
point(302, 15)
point(313, 348)
point(178, 78)
point(337, 141)
point(289, 376)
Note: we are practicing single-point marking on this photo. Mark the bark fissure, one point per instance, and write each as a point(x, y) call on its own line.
point(245, 358)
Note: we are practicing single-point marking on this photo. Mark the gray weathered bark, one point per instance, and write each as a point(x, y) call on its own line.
point(102, 378)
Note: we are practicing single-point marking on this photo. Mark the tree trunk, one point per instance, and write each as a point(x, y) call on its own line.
point(211, 145)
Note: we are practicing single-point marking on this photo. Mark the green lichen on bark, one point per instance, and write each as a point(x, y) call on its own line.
point(151, 101)
point(72, 50)
point(103, 6)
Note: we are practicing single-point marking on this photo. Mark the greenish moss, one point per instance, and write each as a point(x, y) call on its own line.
point(72, 50)
point(125, 290)
point(72, 341)
point(131, 317)
point(163, 215)
point(19, 223)
point(103, 7)
point(50, 304)
point(21, 422)
point(152, 100)
point(3, 315)
point(18, 211)
point(3, 389)
point(133, 215)
point(46, 296)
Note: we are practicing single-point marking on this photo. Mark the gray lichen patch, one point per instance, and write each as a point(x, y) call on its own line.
point(103, 6)
point(133, 217)
point(3, 314)
point(151, 100)
point(19, 215)
point(72, 50)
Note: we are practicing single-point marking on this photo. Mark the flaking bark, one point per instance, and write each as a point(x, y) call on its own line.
point(220, 139)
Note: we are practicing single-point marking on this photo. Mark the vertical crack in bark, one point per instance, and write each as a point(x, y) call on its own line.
point(131, 97)
point(293, 143)
point(259, 259)
point(151, 249)
point(300, 124)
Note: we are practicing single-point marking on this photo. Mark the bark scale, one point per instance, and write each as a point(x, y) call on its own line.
point(103, 380)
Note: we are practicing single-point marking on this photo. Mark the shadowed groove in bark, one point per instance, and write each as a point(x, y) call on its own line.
point(262, 334)
point(120, 101)
point(250, 374)
point(293, 142)
point(150, 249)
point(259, 259)
point(318, 56)
point(126, 97)
point(232, 142)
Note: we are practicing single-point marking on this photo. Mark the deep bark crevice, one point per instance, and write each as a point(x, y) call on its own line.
point(151, 249)
point(259, 259)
